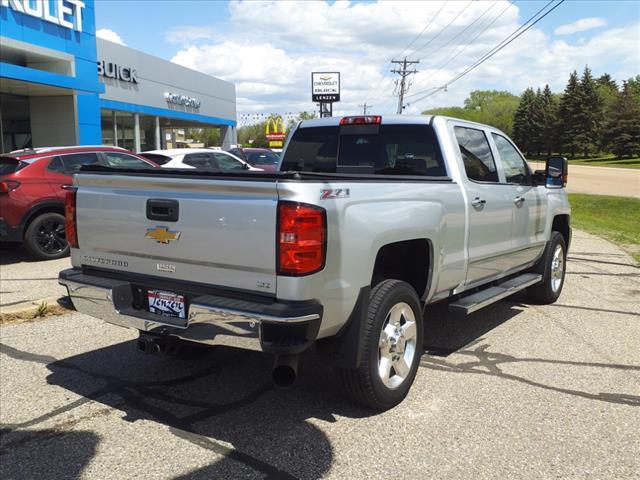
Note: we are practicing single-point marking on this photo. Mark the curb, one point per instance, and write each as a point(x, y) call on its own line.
point(34, 309)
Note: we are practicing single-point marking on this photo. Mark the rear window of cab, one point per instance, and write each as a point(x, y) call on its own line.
point(381, 150)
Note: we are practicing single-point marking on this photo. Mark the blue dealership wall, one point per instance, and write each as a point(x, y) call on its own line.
point(82, 45)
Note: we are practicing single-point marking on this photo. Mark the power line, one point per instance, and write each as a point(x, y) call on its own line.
point(375, 90)
point(515, 34)
point(460, 32)
point(467, 45)
point(404, 73)
point(445, 27)
point(423, 30)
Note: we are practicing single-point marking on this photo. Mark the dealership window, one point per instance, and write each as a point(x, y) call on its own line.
point(106, 122)
point(147, 133)
point(124, 127)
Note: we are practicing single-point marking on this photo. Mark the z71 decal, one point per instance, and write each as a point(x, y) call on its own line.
point(332, 193)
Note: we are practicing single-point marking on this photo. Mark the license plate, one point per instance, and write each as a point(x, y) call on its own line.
point(168, 304)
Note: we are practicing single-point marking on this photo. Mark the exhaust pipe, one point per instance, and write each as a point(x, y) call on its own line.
point(285, 370)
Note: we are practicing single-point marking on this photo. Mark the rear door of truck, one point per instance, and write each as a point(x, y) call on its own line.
point(189, 228)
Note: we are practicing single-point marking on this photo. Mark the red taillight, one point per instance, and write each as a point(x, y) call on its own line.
point(361, 120)
point(70, 226)
point(7, 186)
point(302, 238)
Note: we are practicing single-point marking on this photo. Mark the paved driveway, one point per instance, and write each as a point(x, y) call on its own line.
point(515, 391)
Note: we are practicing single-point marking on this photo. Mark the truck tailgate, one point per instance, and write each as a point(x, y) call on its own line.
point(224, 233)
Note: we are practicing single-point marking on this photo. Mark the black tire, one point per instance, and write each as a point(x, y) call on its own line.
point(364, 385)
point(547, 291)
point(45, 237)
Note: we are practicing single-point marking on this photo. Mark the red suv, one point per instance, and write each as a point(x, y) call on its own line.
point(32, 192)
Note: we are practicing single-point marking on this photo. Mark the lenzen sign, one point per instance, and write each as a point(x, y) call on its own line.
point(325, 86)
point(66, 13)
point(182, 100)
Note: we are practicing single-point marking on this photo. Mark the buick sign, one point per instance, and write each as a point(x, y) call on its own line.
point(118, 72)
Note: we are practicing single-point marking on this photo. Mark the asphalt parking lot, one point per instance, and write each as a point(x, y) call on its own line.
point(514, 391)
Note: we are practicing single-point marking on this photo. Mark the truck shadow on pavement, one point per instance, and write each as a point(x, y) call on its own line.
point(222, 397)
point(223, 400)
point(54, 454)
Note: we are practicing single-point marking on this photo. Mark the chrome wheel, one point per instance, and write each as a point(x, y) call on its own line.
point(557, 268)
point(397, 345)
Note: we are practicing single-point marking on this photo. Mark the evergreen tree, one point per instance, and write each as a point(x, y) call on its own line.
point(624, 126)
point(634, 85)
point(549, 120)
point(522, 121)
point(568, 113)
point(608, 92)
point(536, 132)
point(589, 114)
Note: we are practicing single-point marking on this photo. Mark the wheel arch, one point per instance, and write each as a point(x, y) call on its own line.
point(38, 209)
point(408, 260)
point(562, 224)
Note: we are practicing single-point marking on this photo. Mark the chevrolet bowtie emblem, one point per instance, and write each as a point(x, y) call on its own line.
point(162, 234)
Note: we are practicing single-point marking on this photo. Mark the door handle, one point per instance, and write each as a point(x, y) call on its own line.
point(518, 200)
point(478, 202)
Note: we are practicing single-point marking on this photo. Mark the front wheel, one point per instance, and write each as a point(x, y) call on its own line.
point(392, 347)
point(552, 267)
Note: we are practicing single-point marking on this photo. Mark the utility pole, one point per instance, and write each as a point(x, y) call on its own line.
point(404, 73)
point(365, 107)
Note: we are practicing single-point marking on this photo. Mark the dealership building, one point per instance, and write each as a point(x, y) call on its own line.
point(60, 85)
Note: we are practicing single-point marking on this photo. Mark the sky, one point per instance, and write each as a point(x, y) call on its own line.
point(268, 49)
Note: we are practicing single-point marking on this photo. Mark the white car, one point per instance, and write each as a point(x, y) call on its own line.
point(200, 159)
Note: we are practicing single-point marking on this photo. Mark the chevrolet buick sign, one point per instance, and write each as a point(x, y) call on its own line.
point(325, 86)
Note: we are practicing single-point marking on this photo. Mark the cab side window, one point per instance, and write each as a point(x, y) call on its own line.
point(478, 160)
point(514, 166)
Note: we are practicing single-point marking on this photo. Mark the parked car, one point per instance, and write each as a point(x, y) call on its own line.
point(371, 219)
point(32, 192)
point(158, 158)
point(262, 158)
point(201, 159)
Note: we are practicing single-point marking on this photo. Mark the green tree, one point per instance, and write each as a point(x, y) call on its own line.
point(301, 116)
point(492, 107)
point(568, 113)
point(634, 85)
point(623, 137)
point(247, 134)
point(549, 141)
point(608, 92)
point(590, 113)
point(523, 121)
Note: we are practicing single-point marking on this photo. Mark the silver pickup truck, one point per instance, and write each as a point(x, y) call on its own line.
point(368, 220)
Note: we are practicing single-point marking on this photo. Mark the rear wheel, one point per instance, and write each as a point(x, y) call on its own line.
point(391, 350)
point(552, 267)
point(45, 237)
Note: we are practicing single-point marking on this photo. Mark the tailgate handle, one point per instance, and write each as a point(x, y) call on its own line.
point(163, 209)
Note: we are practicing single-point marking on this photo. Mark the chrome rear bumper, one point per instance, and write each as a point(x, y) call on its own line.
point(211, 319)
